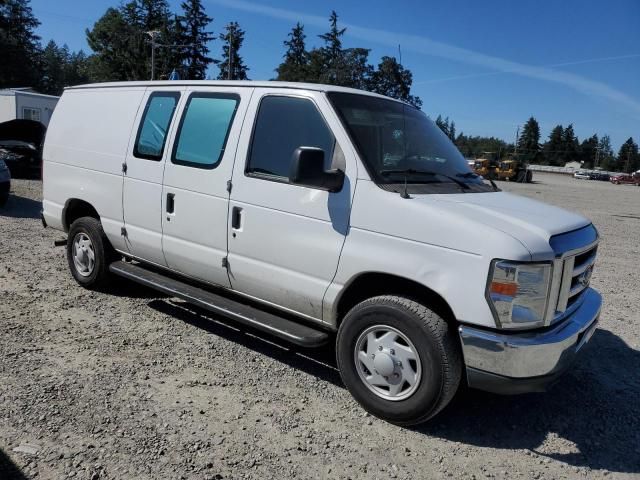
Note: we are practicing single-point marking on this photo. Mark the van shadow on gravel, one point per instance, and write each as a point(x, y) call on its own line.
point(122, 287)
point(319, 362)
point(594, 408)
point(21, 207)
point(589, 418)
point(8, 469)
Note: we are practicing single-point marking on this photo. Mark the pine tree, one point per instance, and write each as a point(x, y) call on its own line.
point(331, 55)
point(332, 50)
point(393, 80)
point(231, 65)
point(53, 63)
point(588, 151)
point(554, 148)
point(452, 131)
point(294, 68)
point(196, 35)
point(61, 68)
point(571, 145)
point(444, 125)
point(529, 141)
point(628, 160)
point(19, 44)
point(116, 44)
point(122, 45)
point(606, 160)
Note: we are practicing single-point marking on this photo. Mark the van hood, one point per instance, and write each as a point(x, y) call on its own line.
point(492, 224)
point(530, 221)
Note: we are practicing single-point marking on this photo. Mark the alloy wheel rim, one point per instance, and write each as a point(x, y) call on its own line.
point(84, 257)
point(387, 363)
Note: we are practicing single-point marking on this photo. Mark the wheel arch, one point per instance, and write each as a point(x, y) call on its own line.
point(75, 208)
point(372, 284)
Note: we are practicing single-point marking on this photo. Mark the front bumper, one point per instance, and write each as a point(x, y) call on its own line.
point(522, 362)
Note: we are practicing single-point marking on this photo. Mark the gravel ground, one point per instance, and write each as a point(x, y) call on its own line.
point(131, 384)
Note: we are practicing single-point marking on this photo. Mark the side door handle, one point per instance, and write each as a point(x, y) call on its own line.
point(236, 218)
point(171, 203)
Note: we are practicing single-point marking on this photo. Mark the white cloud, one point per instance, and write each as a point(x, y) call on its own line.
point(426, 46)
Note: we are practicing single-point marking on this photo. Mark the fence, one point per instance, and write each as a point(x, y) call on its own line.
point(565, 170)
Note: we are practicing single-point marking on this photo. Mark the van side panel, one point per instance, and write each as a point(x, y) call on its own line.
point(85, 147)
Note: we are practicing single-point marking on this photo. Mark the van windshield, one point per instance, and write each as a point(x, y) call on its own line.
point(401, 145)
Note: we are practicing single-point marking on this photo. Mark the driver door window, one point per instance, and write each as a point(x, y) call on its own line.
point(282, 125)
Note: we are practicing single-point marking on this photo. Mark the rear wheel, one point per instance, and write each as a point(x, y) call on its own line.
point(89, 253)
point(529, 177)
point(399, 359)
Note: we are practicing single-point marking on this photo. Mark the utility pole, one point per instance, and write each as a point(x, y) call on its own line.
point(628, 162)
point(230, 54)
point(153, 34)
point(596, 162)
point(516, 142)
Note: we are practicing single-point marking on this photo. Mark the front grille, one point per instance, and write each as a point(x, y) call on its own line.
point(575, 259)
point(577, 270)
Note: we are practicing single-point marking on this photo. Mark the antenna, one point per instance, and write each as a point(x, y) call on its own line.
point(404, 193)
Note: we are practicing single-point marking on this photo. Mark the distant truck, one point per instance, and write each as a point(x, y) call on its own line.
point(626, 178)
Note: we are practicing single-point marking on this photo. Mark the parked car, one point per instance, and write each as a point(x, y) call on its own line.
point(21, 144)
point(625, 178)
point(5, 183)
point(582, 175)
point(297, 210)
point(604, 177)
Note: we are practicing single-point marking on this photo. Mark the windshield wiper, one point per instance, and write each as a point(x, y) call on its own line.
point(412, 171)
point(475, 175)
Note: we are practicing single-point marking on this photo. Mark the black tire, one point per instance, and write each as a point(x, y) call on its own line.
point(529, 177)
point(103, 252)
point(521, 176)
point(436, 344)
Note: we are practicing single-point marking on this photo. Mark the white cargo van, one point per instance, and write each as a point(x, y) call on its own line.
point(315, 212)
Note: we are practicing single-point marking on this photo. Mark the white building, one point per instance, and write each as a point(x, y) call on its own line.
point(573, 165)
point(23, 103)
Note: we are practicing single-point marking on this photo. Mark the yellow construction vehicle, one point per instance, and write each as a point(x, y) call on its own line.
point(514, 170)
point(482, 167)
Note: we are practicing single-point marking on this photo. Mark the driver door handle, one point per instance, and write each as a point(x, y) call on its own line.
point(236, 218)
point(171, 203)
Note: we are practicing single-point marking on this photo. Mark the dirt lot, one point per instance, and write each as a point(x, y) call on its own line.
point(130, 384)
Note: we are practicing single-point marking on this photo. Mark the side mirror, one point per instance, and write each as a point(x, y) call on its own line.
point(307, 168)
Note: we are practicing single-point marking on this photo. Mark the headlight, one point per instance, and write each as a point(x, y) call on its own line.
point(518, 293)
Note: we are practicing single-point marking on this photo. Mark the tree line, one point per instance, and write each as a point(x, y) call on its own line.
point(121, 43)
point(123, 37)
point(561, 147)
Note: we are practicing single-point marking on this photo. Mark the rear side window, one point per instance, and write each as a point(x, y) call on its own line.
point(284, 124)
point(204, 128)
point(152, 133)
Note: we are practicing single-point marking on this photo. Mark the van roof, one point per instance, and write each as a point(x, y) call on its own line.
point(319, 87)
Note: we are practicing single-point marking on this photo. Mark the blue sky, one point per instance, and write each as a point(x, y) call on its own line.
point(486, 65)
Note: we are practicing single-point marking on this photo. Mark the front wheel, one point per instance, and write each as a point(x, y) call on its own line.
point(89, 253)
point(399, 359)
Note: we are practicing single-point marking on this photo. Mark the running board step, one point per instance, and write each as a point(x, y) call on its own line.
point(267, 322)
